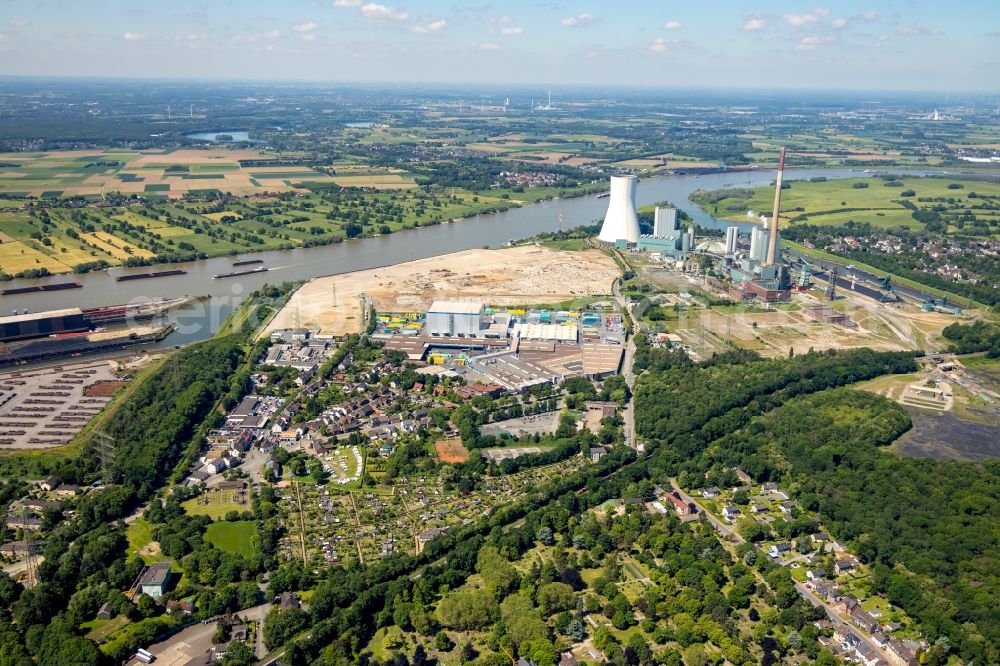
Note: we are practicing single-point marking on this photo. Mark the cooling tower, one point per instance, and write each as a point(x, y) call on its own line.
point(621, 221)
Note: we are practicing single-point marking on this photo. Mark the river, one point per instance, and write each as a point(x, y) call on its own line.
point(493, 230)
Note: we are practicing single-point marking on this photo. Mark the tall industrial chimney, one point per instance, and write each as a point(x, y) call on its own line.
point(772, 245)
point(621, 221)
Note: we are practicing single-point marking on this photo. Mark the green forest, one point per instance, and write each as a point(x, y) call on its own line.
point(928, 527)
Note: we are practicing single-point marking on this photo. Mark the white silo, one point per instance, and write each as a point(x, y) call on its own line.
point(621, 221)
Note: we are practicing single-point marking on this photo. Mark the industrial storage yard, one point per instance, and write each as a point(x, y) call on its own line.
point(511, 276)
point(47, 407)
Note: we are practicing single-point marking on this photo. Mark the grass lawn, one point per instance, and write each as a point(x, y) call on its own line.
point(98, 630)
point(139, 535)
point(216, 507)
point(232, 537)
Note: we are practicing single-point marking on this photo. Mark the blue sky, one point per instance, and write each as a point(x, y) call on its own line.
point(848, 44)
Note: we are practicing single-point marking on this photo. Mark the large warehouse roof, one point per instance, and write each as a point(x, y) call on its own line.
point(456, 307)
point(32, 316)
point(563, 333)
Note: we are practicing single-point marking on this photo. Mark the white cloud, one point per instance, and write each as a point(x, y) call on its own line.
point(803, 19)
point(578, 20)
point(433, 26)
point(659, 45)
point(3, 37)
point(17, 24)
point(839, 22)
point(910, 30)
point(133, 36)
point(486, 46)
point(309, 37)
point(518, 30)
point(812, 43)
point(754, 24)
point(502, 20)
point(881, 41)
point(870, 15)
point(673, 25)
point(346, 3)
point(307, 26)
point(374, 10)
point(255, 37)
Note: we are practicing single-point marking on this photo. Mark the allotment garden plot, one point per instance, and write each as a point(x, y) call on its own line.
point(327, 525)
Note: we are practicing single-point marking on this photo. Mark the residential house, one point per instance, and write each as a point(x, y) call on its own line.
point(182, 606)
point(426, 537)
point(194, 478)
point(864, 619)
point(711, 491)
point(216, 465)
point(815, 574)
point(769, 487)
point(680, 506)
point(820, 538)
point(845, 565)
point(24, 522)
point(756, 508)
point(567, 659)
point(867, 657)
point(49, 483)
point(880, 639)
point(778, 549)
point(288, 601)
point(597, 452)
point(786, 507)
point(731, 512)
point(157, 580)
point(239, 632)
point(900, 654)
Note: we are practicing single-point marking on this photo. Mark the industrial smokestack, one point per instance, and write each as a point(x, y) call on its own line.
point(621, 221)
point(772, 245)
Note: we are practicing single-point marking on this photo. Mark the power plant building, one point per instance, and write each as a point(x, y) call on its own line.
point(455, 318)
point(665, 223)
point(621, 223)
point(732, 241)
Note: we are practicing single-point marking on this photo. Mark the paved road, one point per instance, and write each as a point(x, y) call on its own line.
point(196, 640)
point(628, 414)
point(726, 530)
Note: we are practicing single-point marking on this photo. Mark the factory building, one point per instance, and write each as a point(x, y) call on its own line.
point(677, 245)
point(621, 223)
point(455, 318)
point(42, 324)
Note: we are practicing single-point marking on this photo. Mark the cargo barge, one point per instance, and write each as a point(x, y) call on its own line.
point(259, 269)
point(247, 262)
point(59, 286)
point(146, 276)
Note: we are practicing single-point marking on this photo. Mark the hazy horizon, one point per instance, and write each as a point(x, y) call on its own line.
point(856, 45)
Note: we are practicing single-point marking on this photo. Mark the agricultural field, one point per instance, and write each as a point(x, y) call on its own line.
point(61, 240)
point(882, 203)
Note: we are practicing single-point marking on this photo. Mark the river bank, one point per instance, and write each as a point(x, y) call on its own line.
point(486, 230)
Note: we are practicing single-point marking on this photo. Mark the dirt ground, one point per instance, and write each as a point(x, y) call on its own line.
point(943, 437)
point(451, 451)
point(511, 276)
